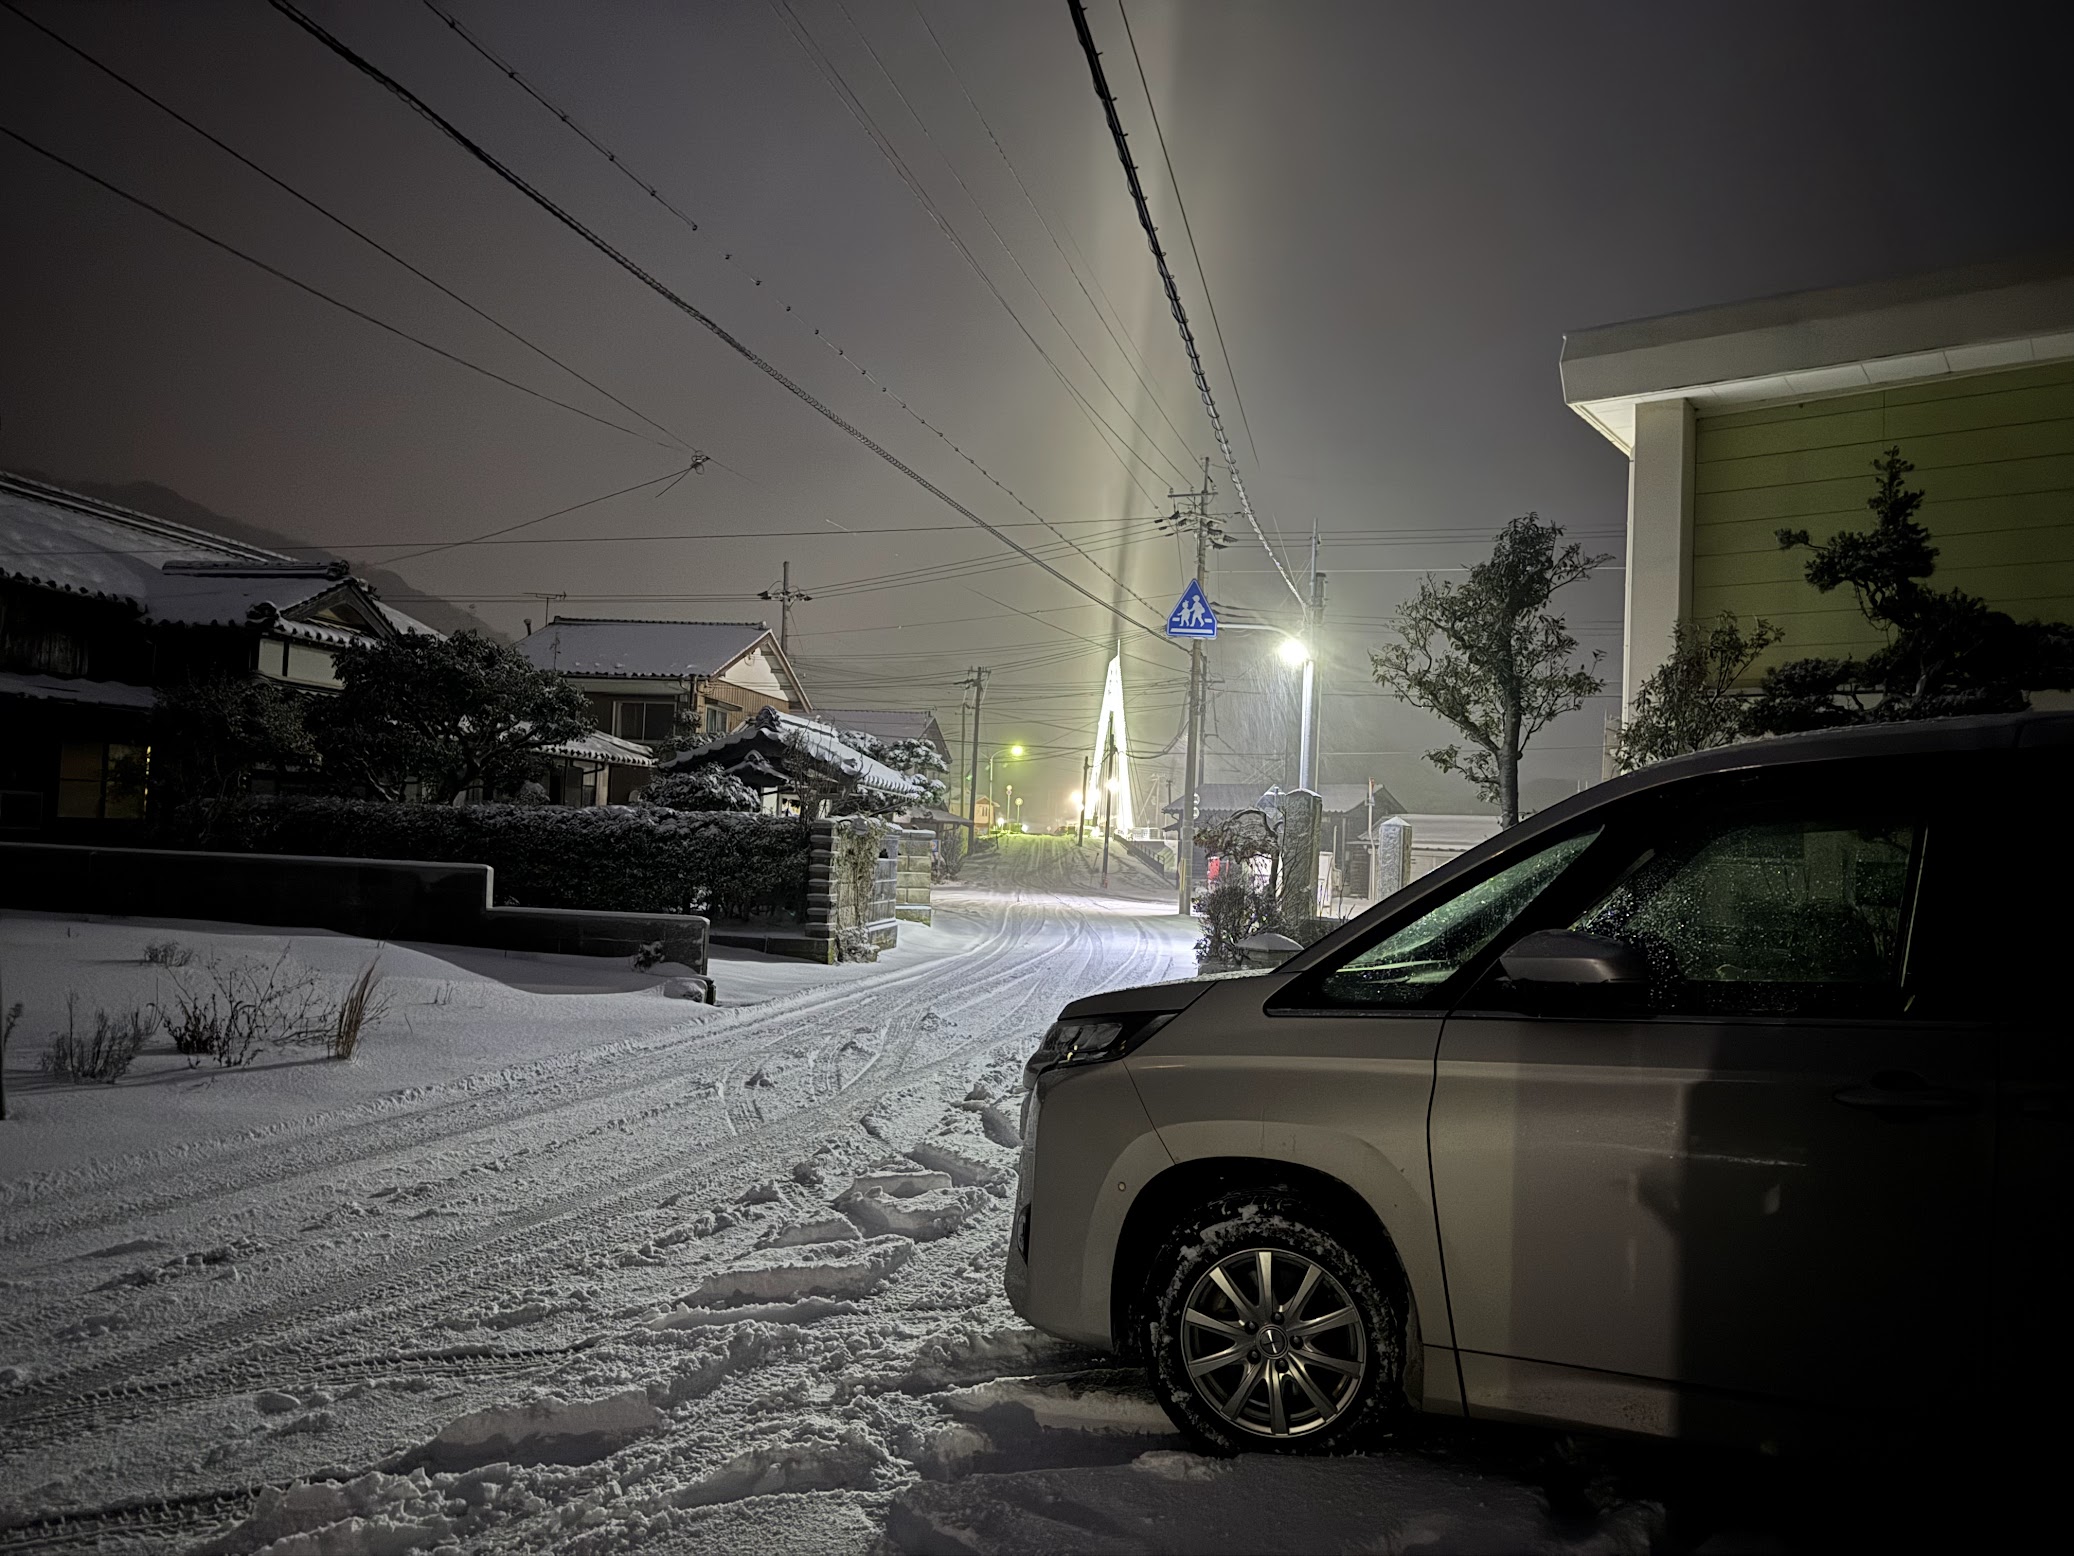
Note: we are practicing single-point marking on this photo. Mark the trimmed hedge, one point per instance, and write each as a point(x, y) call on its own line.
point(625, 858)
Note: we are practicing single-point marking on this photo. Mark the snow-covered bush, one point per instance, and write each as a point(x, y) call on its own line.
point(167, 953)
point(700, 788)
point(105, 1053)
point(625, 858)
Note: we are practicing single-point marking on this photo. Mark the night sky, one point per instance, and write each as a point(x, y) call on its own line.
point(1400, 209)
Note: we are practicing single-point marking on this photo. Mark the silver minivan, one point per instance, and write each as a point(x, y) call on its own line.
point(1727, 1100)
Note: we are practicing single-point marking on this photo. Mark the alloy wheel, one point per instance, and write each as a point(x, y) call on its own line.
point(1273, 1343)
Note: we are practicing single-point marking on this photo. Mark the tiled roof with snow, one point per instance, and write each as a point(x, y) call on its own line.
point(636, 650)
point(170, 572)
point(886, 723)
point(597, 746)
point(810, 737)
point(62, 541)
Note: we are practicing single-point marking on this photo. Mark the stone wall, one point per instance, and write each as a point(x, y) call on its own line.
point(916, 847)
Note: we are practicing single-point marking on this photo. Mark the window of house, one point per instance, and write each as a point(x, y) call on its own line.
point(716, 719)
point(651, 721)
point(100, 780)
point(1773, 915)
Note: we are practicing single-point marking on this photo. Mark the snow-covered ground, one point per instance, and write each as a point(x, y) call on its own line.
point(556, 1262)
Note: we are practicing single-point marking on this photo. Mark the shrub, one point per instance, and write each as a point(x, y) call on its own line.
point(1231, 912)
point(627, 858)
point(103, 1055)
point(364, 1004)
point(243, 1007)
point(700, 788)
point(167, 953)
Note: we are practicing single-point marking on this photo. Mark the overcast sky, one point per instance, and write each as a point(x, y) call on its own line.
point(1399, 209)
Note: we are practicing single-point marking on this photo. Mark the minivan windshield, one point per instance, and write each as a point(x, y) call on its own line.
point(1407, 967)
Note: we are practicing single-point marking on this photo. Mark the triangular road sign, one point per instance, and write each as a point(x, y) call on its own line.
point(1192, 617)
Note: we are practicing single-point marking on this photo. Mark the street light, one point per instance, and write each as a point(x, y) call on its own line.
point(1008, 751)
point(1294, 652)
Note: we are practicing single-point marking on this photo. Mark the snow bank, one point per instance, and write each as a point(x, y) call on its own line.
point(546, 1432)
point(788, 1274)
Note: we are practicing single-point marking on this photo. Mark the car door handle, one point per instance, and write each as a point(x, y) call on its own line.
point(1900, 1094)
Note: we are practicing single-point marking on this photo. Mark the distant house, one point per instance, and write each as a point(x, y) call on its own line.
point(889, 724)
point(99, 605)
point(1750, 417)
point(652, 681)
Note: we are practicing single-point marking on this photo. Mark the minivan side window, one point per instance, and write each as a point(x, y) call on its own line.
point(1408, 968)
point(1770, 915)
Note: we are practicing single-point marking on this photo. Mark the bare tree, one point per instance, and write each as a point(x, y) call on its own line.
point(1487, 656)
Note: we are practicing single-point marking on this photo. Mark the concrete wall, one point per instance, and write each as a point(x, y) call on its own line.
point(381, 899)
point(1994, 454)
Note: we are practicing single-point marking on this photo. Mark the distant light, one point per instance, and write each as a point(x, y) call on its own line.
point(1015, 750)
point(1294, 652)
point(1073, 798)
point(1110, 785)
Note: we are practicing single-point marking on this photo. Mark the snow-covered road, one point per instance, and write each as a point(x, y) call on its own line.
point(606, 1271)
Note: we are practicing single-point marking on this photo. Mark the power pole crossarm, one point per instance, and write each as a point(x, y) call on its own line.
point(786, 596)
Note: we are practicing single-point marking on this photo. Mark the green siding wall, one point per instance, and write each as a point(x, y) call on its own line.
point(1994, 454)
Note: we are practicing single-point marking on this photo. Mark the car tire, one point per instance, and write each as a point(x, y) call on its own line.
point(1316, 1364)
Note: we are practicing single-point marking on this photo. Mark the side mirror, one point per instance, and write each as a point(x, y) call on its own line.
point(1568, 959)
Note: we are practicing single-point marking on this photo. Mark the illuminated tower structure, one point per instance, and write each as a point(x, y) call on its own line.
point(1110, 738)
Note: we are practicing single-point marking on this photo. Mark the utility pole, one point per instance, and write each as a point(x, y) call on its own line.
point(785, 595)
point(1109, 801)
point(1307, 773)
point(1192, 513)
point(1086, 799)
point(978, 682)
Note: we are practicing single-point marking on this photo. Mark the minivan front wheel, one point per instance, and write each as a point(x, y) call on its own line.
point(1267, 1332)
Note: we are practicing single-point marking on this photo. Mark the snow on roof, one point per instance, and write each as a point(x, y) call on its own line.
point(63, 541)
point(597, 746)
point(817, 740)
point(57, 688)
point(636, 650)
point(170, 572)
point(409, 626)
point(887, 723)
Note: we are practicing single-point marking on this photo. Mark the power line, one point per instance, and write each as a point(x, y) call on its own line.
point(706, 321)
point(1188, 232)
point(1036, 210)
point(303, 286)
point(1002, 242)
point(833, 77)
point(333, 217)
point(1166, 276)
point(620, 166)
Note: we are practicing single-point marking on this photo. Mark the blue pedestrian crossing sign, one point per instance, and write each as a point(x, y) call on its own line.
point(1193, 617)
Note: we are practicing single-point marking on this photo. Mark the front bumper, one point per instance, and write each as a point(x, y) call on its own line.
point(1088, 1149)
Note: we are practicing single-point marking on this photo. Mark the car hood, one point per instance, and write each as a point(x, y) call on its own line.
point(1157, 999)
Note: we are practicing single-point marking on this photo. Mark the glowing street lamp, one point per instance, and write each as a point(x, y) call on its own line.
point(1294, 652)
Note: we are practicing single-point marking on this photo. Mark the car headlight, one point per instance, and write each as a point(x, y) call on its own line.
point(1090, 1040)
